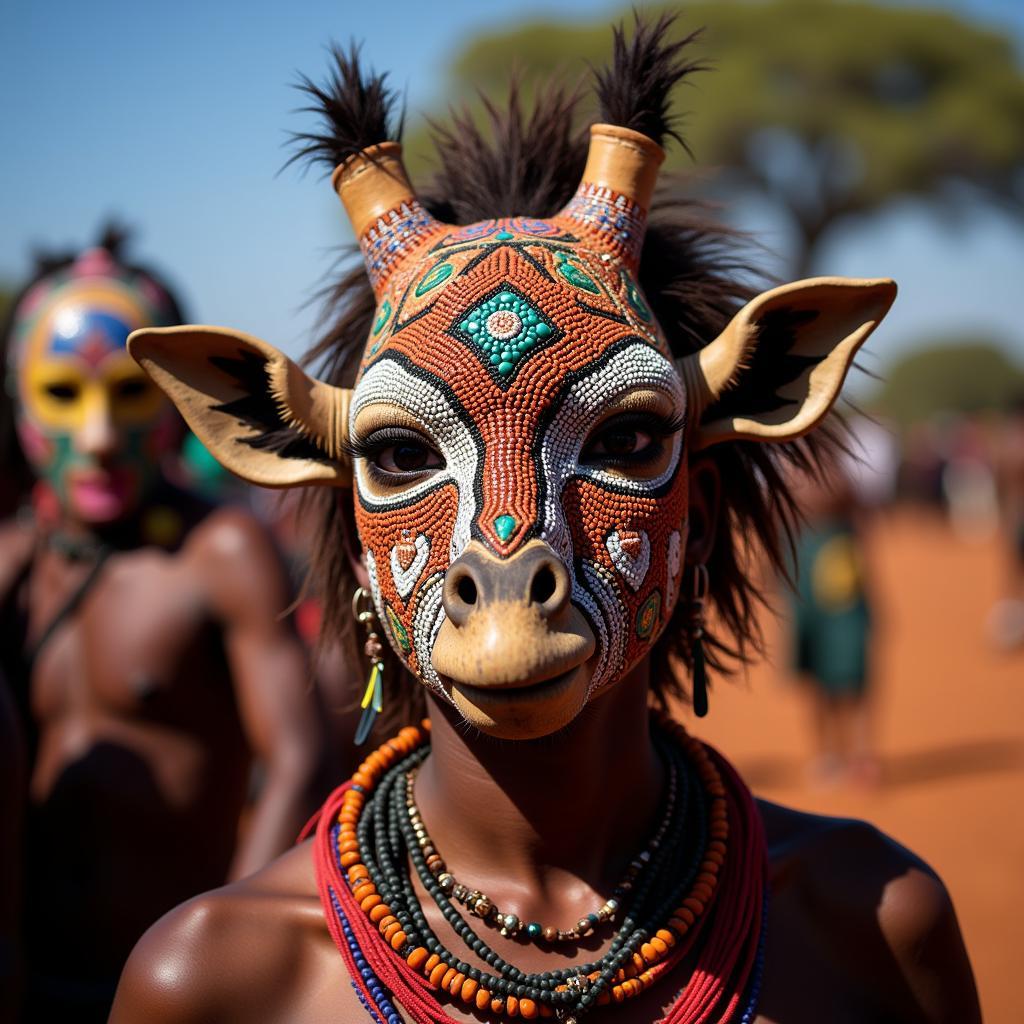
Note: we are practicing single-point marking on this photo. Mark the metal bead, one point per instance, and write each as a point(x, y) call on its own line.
point(481, 906)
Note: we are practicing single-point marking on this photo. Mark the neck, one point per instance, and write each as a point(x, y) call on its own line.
point(584, 800)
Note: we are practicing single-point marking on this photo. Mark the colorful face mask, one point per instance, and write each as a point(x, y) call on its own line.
point(517, 435)
point(92, 425)
point(516, 400)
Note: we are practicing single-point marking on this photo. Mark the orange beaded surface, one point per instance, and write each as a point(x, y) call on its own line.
point(507, 344)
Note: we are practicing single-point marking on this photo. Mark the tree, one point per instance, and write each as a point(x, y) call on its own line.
point(829, 110)
point(952, 376)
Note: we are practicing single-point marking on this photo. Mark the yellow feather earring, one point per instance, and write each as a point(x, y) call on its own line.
point(373, 696)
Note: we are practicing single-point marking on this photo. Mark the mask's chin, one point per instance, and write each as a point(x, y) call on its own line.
point(514, 676)
point(525, 713)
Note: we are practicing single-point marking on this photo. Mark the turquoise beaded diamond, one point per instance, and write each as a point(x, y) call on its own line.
point(504, 525)
point(503, 329)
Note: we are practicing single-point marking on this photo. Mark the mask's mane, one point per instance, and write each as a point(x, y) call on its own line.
point(691, 271)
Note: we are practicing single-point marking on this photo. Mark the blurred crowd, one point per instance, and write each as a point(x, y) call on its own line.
point(965, 470)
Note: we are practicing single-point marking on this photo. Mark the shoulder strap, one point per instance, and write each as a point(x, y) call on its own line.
point(67, 609)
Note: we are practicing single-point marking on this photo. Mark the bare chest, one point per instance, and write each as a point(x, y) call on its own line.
point(139, 644)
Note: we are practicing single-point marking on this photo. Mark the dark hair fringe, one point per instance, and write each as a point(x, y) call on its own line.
point(115, 238)
point(518, 165)
point(635, 90)
point(694, 277)
point(357, 109)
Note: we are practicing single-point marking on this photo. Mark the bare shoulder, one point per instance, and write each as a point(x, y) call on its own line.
point(227, 532)
point(231, 954)
point(872, 896)
point(237, 557)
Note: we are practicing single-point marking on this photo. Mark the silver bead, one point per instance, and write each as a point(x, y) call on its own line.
point(510, 924)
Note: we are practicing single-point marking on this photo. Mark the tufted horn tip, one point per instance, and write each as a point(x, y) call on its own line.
point(615, 193)
point(625, 161)
point(372, 183)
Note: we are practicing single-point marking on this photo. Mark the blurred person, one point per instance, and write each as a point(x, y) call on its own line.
point(921, 467)
point(1006, 621)
point(831, 611)
point(541, 427)
point(142, 640)
point(337, 681)
point(12, 808)
point(969, 480)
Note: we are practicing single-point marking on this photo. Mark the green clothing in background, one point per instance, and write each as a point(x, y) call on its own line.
point(830, 609)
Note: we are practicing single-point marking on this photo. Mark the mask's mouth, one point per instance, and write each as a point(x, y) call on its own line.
point(497, 696)
point(513, 673)
point(101, 495)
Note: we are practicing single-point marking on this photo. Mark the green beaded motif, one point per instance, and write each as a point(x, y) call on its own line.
point(635, 299)
point(647, 616)
point(398, 631)
point(433, 277)
point(382, 318)
point(503, 329)
point(576, 276)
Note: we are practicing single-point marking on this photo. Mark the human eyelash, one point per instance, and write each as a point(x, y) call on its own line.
point(659, 427)
point(380, 440)
point(656, 424)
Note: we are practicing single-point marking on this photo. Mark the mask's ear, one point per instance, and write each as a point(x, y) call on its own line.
point(775, 371)
point(252, 407)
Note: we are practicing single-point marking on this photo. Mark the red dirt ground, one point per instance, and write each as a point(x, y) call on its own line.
point(950, 729)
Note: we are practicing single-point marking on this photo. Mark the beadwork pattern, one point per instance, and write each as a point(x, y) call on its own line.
point(620, 219)
point(508, 342)
point(392, 237)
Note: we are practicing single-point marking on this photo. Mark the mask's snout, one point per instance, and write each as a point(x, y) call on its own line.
point(510, 623)
point(533, 579)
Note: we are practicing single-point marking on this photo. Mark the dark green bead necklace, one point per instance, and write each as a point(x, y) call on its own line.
point(390, 836)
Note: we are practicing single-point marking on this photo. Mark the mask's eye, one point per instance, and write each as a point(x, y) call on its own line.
point(132, 387)
point(63, 392)
point(619, 442)
point(396, 454)
point(634, 443)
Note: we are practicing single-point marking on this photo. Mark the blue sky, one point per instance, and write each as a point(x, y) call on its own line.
point(174, 116)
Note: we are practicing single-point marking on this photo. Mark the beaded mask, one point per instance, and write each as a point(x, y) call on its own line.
point(91, 424)
point(518, 432)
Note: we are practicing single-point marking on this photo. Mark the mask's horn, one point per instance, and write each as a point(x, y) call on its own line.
point(615, 194)
point(386, 216)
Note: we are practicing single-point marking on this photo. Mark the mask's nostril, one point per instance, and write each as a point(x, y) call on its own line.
point(466, 589)
point(543, 585)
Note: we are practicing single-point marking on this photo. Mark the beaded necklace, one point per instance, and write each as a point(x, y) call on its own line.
point(486, 909)
point(364, 834)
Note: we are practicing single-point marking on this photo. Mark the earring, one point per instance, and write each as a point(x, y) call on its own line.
point(373, 697)
point(699, 695)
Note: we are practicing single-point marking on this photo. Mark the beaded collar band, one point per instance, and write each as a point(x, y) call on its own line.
point(704, 898)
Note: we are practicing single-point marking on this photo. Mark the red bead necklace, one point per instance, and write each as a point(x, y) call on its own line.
point(722, 910)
